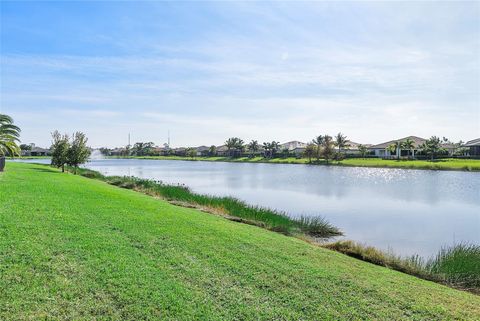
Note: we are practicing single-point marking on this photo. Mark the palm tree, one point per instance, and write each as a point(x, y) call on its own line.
point(310, 152)
point(392, 148)
point(409, 145)
point(363, 150)
point(9, 136)
point(318, 141)
point(341, 141)
point(253, 147)
point(234, 145)
point(328, 149)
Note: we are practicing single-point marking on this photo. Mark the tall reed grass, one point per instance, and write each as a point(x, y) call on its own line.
point(457, 265)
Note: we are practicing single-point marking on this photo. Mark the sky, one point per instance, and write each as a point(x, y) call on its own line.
point(206, 71)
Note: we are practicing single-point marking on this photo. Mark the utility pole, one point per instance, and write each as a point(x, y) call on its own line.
point(169, 138)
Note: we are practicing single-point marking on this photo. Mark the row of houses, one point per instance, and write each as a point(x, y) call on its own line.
point(381, 150)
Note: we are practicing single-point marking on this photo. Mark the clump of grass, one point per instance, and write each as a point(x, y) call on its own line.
point(457, 265)
point(273, 220)
point(318, 226)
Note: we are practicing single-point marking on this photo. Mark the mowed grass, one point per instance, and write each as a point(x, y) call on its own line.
point(440, 164)
point(76, 248)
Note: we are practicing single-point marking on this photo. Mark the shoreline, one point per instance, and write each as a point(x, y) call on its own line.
point(463, 165)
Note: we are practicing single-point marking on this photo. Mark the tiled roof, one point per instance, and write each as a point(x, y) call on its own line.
point(417, 141)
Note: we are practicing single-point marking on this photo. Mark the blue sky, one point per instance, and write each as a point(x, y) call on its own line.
point(207, 71)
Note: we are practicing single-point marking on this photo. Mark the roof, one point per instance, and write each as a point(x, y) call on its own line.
point(293, 145)
point(471, 143)
point(39, 149)
point(417, 141)
point(202, 148)
point(354, 145)
point(222, 148)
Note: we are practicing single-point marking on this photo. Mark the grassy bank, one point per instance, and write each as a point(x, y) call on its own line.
point(316, 227)
point(74, 248)
point(441, 164)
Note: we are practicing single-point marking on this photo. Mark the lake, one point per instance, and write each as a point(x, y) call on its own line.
point(405, 211)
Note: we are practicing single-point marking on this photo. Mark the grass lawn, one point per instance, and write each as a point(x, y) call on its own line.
point(441, 164)
point(76, 248)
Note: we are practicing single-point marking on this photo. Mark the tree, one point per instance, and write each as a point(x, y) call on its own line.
point(142, 149)
point(341, 141)
point(191, 152)
point(9, 136)
point(212, 151)
point(392, 148)
point(318, 141)
point(363, 150)
point(409, 145)
point(25, 147)
point(327, 148)
point(270, 149)
point(310, 152)
point(432, 147)
point(253, 147)
point(59, 148)
point(234, 146)
point(78, 152)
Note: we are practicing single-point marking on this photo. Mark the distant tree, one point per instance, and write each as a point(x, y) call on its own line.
point(9, 136)
point(25, 147)
point(432, 147)
point(285, 152)
point(105, 151)
point(59, 148)
point(142, 149)
point(409, 145)
point(392, 148)
point(78, 152)
point(341, 142)
point(310, 152)
point(270, 149)
point(191, 152)
point(363, 150)
point(327, 148)
point(318, 141)
point(235, 146)
point(253, 147)
point(212, 151)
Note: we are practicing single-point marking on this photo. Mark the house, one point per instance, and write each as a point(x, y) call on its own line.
point(202, 150)
point(294, 147)
point(352, 148)
point(381, 150)
point(180, 151)
point(36, 151)
point(474, 146)
point(222, 150)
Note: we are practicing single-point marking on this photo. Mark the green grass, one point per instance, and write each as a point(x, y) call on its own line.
point(316, 227)
point(440, 164)
point(75, 248)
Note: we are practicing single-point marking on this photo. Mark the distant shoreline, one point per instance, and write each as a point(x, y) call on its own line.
point(467, 165)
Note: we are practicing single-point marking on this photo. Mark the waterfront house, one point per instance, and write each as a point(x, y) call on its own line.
point(36, 151)
point(202, 150)
point(222, 150)
point(180, 151)
point(474, 146)
point(381, 150)
point(294, 147)
point(352, 148)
